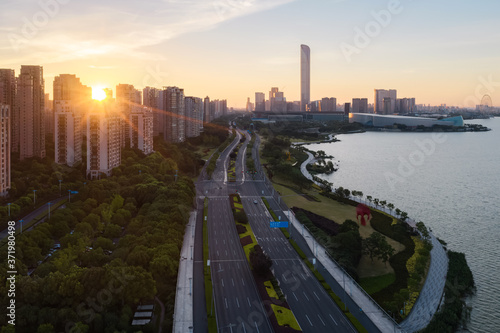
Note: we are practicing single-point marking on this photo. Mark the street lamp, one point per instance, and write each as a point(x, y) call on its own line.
point(34, 197)
point(8, 205)
point(50, 203)
point(60, 181)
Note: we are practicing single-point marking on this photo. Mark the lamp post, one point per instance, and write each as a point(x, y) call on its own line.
point(34, 197)
point(50, 203)
point(8, 205)
point(60, 181)
point(69, 195)
point(21, 221)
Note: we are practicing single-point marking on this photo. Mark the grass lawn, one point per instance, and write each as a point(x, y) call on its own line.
point(285, 317)
point(373, 284)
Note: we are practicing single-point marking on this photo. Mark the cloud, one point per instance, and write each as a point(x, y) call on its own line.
point(84, 30)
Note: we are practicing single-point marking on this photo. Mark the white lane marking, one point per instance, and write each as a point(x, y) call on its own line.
point(284, 278)
point(243, 281)
point(222, 280)
point(244, 329)
point(295, 296)
point(237, 302)
point(305, 295)
point(225, 299)
point(257, 327)
point(316, 295)
point(334, 320)
point(309, 320)
point(216, 242)
point(238, 265)
point(249, 304)
point(226, 252)
point(217, 253)
point(303, 277)
point(321, 320)
point(232, 281)
point(215, 232)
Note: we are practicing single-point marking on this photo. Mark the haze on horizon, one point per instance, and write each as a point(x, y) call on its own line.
point(438, 52)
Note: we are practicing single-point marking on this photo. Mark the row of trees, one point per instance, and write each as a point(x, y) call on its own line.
point(120, 242)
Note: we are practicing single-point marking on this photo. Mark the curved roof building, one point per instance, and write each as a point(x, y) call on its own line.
point(376, 120)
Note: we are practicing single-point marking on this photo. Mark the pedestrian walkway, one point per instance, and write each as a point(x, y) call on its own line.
point(432, 291)
point(183, 310)
point(379, 318)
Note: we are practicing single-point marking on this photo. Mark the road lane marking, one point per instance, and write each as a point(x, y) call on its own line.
point(295, 296)
point(257, 327)
point(334, 320)
point(232, 281)
point(321, 320)
point(303, 277)
point(243, 281)
point(244, 329)
point(225, 299)
point(316, 295)
point(216, 242)
point(222, 280)
point(237, 302)
point(284, 278)
point(249, 304)
point(305, 295)
point(309, 320)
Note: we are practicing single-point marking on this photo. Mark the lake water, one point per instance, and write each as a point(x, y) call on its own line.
point(450, 181)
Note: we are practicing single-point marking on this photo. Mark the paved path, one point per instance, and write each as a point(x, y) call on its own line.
point(430, 296)
point(183, 311)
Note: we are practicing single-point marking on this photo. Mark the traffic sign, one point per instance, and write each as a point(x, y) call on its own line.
point(74, 192)
point(278, 224)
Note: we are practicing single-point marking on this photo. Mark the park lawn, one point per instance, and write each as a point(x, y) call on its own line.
point(270, 290)
point(285, 317)
point(374, 284)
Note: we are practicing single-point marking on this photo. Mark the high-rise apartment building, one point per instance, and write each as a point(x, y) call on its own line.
point(103, 139)
point(385, 101)
point(277, 100)
point(126, 97)
point(305, 77)
point(206, 110)
point(141, 128)
point(250, 106)
point(8, 97)
point(260, 101)
point(30, 100)
point(173, 105)
point(194, 116)
point(359, 105)
point(329, 104)
point(405, 105)
point(48, 115)
point(71, 101)
point(5, 149)
point(67, 133)
point(151, 98)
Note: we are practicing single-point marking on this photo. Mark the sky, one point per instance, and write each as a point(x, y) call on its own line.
point(440, 52)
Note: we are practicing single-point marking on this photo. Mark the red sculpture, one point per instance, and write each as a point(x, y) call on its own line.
point(362, 210)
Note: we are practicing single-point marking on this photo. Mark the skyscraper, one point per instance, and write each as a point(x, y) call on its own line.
point(305, 76)
point(30, 100)
point(359, 105)
point(126, 97)
point(5, 152)
point(329, 104)
point(151, 98)
point(8, 97)
point(206, 110)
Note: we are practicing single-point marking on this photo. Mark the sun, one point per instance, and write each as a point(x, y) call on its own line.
point(98, 93)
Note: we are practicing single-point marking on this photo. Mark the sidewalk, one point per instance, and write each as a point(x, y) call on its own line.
point(364, 302)
point(183, 310)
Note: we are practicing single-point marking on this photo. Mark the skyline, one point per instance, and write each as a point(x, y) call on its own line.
point(440, 53)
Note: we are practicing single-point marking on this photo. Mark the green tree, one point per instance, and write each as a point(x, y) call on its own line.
point(45, 328)
point(376, 246)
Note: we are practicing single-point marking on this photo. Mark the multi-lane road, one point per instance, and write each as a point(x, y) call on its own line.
point(237, 304)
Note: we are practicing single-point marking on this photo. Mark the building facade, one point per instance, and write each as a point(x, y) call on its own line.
point(67, 133)
point(141, 129)
point(328, 104)
point(305, 77)
point(5, 149)
point(359, 105)
point(151, 98)
point(126, 98)
point(8, 97)
point(194, 116)
point(173, 105)
point(260, 101)
point(30, 107)
point(385, 101)
point(103, 139)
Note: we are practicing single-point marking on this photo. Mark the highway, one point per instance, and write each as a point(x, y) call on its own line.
point(312, 306)
point(237, 302)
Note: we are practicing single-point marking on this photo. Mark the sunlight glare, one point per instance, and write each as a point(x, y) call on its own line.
point(98, 93)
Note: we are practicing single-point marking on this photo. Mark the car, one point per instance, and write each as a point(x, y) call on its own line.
point(255, 201)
